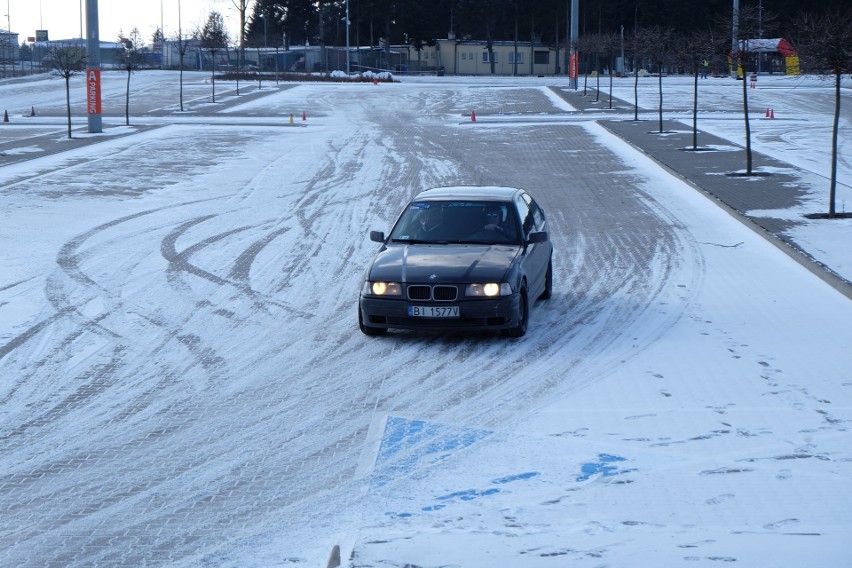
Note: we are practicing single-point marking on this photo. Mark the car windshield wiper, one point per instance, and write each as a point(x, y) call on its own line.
point(419, 242)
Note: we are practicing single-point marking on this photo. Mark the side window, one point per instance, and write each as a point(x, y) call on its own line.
point(538, 216)
point(525, 214)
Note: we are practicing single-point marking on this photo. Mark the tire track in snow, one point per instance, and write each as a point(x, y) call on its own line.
point(613, 265)
point(273, 443)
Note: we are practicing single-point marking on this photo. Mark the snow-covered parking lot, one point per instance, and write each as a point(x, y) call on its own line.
point(183, 383)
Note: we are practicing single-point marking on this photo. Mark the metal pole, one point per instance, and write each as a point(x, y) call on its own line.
point(734, 43)
point(759, 30)
point(573, 71)
point(347, 37)
point(93, 67)
point(9, 31)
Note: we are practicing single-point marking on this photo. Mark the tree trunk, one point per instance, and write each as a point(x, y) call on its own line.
point(213, 73)
point(695, 112)
point(747, 125)
point(610, 85)
point(833, 187)
point(68, 102)
point(181, 81)
point(635, 89)
point(597, 77)
point(660, 87)
point(127, 101)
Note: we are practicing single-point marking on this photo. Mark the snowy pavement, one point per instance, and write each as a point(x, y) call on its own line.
point(182, 381)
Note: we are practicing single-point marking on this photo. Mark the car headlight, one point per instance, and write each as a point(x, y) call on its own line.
point(489, 289)
point(382, 288)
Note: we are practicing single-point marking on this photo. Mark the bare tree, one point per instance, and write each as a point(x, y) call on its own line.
point(643, 43)
point(240, 57)
point(66, 61)
point(636, 47)
point(587, 45)
point(658, 46)
point(7, 46)
point(752, 22)
point(599, 48)
point(182, 43)
point(610, 44)
point(214, 38)
point(131, 59)
point(240, 42)
point(823, 44)
point(694, 53)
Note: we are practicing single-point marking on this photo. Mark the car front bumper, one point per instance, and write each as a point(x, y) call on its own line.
point(479, 313)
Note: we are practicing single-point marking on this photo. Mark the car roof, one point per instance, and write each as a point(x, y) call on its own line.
point(472, 192)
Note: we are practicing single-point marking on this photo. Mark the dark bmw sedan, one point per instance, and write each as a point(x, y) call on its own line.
point(468, 258)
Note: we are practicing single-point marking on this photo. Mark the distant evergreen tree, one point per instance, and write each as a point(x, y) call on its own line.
point(214, 38)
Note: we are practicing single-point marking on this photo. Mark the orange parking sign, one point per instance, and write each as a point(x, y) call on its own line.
point(574, 65)
point(93, 91)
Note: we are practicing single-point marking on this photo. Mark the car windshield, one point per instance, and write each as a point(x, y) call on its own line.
point(456, 222)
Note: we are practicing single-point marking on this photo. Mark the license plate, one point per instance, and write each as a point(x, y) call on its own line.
point(433, 311)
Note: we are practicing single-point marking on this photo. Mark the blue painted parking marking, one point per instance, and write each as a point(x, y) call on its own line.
point(604, 466)
point(409, 444)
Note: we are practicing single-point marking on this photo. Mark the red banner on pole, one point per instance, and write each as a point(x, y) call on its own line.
point(574, 65)
point(93, 91)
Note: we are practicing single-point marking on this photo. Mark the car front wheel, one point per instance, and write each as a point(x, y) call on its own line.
point(523, 317)
point(548, 281)
point(367, 330)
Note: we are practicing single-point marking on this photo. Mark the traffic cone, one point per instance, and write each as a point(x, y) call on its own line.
point(304, 116)
point(772, 113)
point(5, 116)
point(473, 116)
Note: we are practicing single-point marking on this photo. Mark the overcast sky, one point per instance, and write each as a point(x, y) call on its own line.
point(62, 18)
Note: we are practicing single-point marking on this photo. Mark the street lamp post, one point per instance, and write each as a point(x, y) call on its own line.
point(93, 68)
point(347, 38)
point(734, 43)
point(759, 30)
point(163, 38)
point(573, 67)
point(9, 32)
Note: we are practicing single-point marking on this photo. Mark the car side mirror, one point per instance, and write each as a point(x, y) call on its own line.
point(377, 236)
point(537, 237)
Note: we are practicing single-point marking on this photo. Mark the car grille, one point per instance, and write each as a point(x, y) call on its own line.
point(438, 293)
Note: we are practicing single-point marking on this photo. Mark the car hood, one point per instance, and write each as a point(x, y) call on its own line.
point(442, 263)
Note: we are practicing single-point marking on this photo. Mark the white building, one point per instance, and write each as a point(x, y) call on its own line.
point(9, 46)
point(472, 57)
